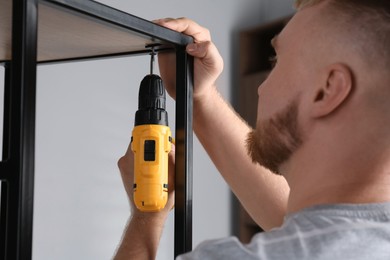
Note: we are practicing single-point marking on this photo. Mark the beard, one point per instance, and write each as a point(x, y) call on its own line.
point(274, 141)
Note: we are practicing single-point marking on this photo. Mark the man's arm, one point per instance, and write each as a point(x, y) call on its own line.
point(222, 132)
point(142, 235)
point(141, 238)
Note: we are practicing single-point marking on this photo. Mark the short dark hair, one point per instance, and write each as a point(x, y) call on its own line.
point(367, 20)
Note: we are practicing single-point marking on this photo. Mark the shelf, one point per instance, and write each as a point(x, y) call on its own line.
point(71, 30)
point(47, 31)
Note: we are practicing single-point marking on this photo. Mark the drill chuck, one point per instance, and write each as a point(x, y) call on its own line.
point(151, 102)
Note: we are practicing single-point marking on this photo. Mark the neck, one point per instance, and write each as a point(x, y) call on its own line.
point(349, 174)
point(346, 193)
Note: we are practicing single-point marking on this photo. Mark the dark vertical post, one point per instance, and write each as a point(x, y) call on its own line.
point(3, 220)
point(21, 131)
point(4, 171)
point(6, 116)
point(183, 179)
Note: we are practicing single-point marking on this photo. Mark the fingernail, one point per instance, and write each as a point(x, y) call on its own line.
point(163, 20)
point(192, 47)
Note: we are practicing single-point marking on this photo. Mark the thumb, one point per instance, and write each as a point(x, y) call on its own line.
point(208, 53)
point(200, 49)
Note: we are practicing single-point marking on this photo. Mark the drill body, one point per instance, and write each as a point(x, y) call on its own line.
point(151, 144)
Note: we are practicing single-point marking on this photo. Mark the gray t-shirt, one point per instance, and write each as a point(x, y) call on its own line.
point(341, 231)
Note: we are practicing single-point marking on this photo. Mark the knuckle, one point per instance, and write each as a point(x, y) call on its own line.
point(183, 18)
point(121, 163)
point(207, 33)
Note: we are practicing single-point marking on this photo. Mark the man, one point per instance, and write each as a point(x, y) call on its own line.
point(323, 129)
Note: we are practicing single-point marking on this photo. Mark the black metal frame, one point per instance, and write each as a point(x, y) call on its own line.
point(17, 165)
point(183, 180)
point(19, 134)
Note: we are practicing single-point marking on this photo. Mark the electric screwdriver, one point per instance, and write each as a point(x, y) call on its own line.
point(151, 143)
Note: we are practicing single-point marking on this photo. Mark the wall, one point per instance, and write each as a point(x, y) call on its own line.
point(85, 114)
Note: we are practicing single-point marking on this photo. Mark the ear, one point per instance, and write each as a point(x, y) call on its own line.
point(334, 91)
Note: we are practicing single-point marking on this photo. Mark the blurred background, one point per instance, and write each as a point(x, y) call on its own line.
point(85, 115)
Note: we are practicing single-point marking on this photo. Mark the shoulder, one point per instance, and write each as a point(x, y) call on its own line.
point(226, 248)
point(321, 232)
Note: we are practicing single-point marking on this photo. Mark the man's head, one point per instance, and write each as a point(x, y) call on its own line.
point(332, 70)
point(365, 22)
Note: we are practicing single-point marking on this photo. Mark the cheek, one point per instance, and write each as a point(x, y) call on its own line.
point(273, 95)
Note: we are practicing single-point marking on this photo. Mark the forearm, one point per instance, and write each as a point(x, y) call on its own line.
point(140, 239)
point(223, 134)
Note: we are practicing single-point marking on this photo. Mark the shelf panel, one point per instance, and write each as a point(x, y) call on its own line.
point(83, 29)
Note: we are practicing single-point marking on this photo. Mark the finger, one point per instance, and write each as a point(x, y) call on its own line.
point(171, 160)
point(126, 162)
point(186, 26)
point(207, 52)
point(126, 168)
point(128, 150)
point(171, 179)
point(200, 50)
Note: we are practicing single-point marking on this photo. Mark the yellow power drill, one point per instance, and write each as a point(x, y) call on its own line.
point(151, 144)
